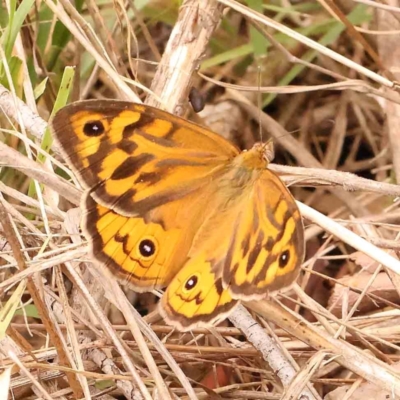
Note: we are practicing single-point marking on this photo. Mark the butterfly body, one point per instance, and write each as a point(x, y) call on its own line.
point(169, 203)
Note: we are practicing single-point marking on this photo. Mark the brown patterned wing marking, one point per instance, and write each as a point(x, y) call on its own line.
point(267, 248)
point(196, 297)
point(135, 158)
point(145, 255)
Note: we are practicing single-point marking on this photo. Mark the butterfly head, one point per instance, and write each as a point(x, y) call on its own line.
point(268, 151)
point(258, 157)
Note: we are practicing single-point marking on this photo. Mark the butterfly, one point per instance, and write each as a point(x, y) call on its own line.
point(169, 203)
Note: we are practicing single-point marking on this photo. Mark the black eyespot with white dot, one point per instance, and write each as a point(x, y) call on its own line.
point(191, 282)
point(93, 128)
point(284, 259)
point(147, 248)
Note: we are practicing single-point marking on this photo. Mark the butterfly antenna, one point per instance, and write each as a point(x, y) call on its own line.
point(259, 102)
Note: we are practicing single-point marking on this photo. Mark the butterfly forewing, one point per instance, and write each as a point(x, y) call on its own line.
point(267, 244)
point(135, 158)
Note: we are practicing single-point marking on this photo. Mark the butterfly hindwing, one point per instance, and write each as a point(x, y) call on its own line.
point(196, 296)
point(139, 253)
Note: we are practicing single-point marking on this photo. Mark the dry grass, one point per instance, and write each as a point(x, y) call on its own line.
point(331, 105)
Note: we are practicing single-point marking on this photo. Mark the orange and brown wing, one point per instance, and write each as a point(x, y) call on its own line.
point(251, 245)
point(196, 297)
point(145, 255)
point(134, 158)
point(267, 244)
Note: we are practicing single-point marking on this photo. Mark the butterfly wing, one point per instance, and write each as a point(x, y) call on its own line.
point(196, 297)
point(144, 171)
point(259, 249)
point(135, 158)
point(266, 248)
point(144, 252)
point(139, 253)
